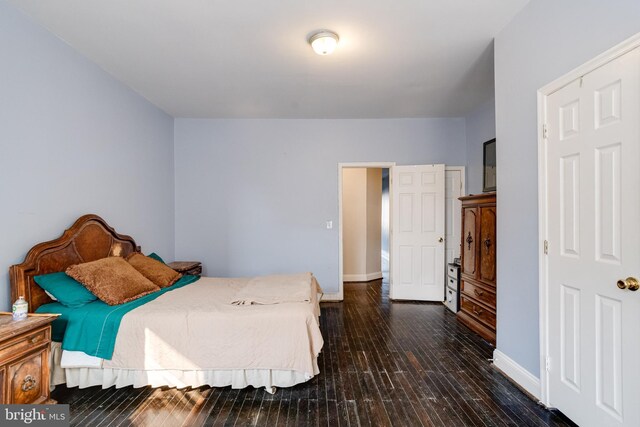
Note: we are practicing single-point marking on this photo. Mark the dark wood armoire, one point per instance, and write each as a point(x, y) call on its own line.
point(478, 272)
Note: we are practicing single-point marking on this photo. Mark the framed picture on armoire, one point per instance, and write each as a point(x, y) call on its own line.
point(489, 166)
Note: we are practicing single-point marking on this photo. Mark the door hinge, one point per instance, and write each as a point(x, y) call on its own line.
point(547, 363)
point(546, 247)
point(545, 131)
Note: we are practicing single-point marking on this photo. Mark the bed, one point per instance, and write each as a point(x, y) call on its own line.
point(187, 336)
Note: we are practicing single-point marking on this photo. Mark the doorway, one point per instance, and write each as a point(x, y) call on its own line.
point(455, 187)
point(355, 225)
point(365, 226)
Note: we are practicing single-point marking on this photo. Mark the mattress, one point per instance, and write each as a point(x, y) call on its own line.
point(193, 336)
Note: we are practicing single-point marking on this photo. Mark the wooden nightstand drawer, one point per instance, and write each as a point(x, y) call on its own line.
point(27, 382)
point(193, 268)
point(21, 344)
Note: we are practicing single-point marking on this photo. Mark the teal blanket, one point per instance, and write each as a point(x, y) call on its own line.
point(93, 327)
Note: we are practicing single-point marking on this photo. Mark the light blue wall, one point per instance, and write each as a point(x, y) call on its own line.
point(480, 127)
point(72, 141)
point(545, 41)
point(252, 196)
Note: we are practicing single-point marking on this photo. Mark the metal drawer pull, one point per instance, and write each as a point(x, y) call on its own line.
point(29, 383)
point(477, 312)
point(478, 293)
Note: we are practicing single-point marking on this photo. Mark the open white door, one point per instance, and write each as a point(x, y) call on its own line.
point(417, 270)
point(593, 217)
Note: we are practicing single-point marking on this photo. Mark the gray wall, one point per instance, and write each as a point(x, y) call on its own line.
point(480, 127)
point(545, 41)
point(74, 141)
point(252, 196)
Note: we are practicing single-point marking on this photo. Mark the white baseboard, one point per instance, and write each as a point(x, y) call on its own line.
point(331, 297)
point(517, 373)
point(361, 277)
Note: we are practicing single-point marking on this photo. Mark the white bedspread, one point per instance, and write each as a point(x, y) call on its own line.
point(195, 328)
point(79, 359)
point(276, 289)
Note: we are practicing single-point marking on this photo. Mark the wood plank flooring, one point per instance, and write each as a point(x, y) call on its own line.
point(383, 364)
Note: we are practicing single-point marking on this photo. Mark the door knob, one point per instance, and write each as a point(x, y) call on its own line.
point(630, 283)
point(441, 240)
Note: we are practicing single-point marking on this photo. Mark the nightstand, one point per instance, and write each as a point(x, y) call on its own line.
point(24, 358)
point(187, 267)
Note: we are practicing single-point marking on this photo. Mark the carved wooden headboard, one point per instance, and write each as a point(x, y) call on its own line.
point(88, 239)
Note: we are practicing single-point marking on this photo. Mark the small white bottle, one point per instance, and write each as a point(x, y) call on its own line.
point(20, 309)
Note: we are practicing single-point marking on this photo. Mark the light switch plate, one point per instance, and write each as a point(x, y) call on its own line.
point(329, 225)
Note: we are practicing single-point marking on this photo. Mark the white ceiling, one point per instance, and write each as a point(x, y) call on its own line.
point(250, 58)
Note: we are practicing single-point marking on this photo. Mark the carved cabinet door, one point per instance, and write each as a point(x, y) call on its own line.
point(469, 237)
point(487, 244)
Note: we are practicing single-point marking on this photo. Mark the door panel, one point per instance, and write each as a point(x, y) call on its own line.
point(418, 233)
point(570, 336)
point(607, 189)
point(469, 232)
point(609, 355)
point(570, 200)
point(488, 245)
point(593, 221)
point(26, 382)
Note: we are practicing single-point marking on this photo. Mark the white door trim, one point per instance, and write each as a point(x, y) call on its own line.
point(597, 62)
point(463, 172)
point(340, 295)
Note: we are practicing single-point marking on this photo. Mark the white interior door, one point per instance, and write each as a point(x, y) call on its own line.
point(454, 188)
point(417, 271)
point(593, 217)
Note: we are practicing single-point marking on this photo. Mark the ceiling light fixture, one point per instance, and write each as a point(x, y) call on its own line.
point(324, 42)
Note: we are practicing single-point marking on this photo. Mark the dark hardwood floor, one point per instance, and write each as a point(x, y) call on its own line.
point(383, 363)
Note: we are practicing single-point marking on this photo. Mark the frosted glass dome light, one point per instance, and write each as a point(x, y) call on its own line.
point(324, 42)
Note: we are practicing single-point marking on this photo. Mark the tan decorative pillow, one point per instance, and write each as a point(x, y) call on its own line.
point(157, 272)
point(112, 279)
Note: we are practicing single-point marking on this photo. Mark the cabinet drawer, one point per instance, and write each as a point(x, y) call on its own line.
point(452, 271)
point(478, 293)
point(477, 311)
point(24, 343)
point(26, 379)
point(452, 283)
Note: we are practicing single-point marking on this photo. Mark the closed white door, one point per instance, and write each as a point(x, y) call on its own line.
point(417, 271)
point(593, 199)
point(453, 187)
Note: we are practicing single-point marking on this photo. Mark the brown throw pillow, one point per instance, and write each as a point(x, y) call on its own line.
point(112, 279)
point(157, 272)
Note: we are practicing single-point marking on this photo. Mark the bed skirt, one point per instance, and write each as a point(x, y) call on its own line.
point(108, 377)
